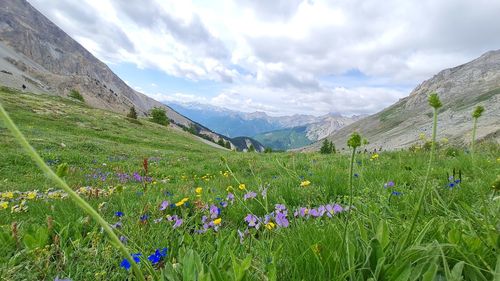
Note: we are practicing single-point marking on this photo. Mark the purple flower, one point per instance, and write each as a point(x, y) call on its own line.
point(314, 213)
point(164, 205)
point(249, 195)
point(251, 220)
point(230, 197)
point(223, 204)
point(337, 208)
point(281, 220)
point(144, 217)
point(137, 177)
point(177, 223)
point(389, 184)
point(264, 193)
point(214, 212)
point(302, 212)
point(279, 207)
point(117, 225)
point(242, 235)
point(123, 239)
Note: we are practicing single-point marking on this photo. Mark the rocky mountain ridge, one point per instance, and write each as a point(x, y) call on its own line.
point(39, 57)
point(460, 89)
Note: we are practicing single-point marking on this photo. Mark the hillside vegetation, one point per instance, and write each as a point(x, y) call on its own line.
point(201, 213)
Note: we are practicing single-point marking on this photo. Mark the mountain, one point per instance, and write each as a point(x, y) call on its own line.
point(460, 88)
point(301, 136)
point(235, 123)
point(39, 57)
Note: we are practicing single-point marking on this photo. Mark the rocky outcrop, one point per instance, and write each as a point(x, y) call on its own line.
point(43, 58)
point(460, 88)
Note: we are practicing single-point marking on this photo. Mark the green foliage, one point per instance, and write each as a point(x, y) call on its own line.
point(76, 95)
point(221, 142)
point(354, 140)
point(251, 148)
point(327, 147)
point(132, 113)
point(159, 116)
point(460, 231)
point(434, 100)
point(227, 145)
point(268, 150)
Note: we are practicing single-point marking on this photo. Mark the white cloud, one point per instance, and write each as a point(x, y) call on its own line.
point(274, 55)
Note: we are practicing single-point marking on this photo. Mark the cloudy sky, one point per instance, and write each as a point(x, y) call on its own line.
point(280, 56)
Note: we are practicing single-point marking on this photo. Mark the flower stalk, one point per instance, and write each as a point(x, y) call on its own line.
point(72, 194)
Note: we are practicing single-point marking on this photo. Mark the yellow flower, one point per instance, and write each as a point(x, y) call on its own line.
point(31, 195)
point(374, 157)
point(305, 183)
point(4, 205)
point(180, 203)
point(242, 186)
point(270, 225)
point(217, 221)
point(198, 190)
point(8, 195)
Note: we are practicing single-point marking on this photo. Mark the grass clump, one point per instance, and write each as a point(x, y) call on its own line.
point(76, 95)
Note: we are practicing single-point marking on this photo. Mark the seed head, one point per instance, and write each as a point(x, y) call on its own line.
point(434, 100)
point(354, 141)
point(478, 111)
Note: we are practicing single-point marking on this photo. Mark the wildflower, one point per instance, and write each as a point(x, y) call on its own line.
point(305, 183)
point(123, 239)
point(251, 220)
point(119, 214)
point(158, 255)
point(158, 220)
point(389, 184)
point(214, 211)
point(337, 208)
point(177, 223)
point(270, 225)
point(451, 185)
point(374, 157)
point(434, 101)
point(126, 264)
point(281, 220)
point(117, 225)
point(217, 221)
point(31, 195)
point(19, 208)
point(264, 193)
point(223, 204)
point(164, 205)
point(137, 177)
point(4, 205)
point(242, 186)
point(302, 212)
point(182, 202)
point(8, 195)
point(396, 193)
point(230, 197)
point(354, 141)
point(242, 235)
point(144, 217)
point(356, 175)
point(198, 191)
point(279, 207)
point(249, 195)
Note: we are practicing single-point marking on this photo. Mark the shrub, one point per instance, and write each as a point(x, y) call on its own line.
point(159, 115)
point(221, 142)
point(132, 113)
point(251, 148)
point(268, 150)
point(227, 145)
point(76, 95)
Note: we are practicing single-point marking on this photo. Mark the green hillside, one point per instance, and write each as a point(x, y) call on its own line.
point(235, 216)
point(285, 138)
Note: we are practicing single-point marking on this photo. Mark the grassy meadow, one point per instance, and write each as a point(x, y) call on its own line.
point(201, 213)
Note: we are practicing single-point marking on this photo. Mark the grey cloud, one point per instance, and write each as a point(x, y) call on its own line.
point(81, 20)
point(193, 33)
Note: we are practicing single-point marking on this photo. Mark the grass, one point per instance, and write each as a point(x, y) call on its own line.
point(458, 238)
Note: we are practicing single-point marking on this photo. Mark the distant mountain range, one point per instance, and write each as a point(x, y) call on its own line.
point(279, 133)
point(460, 88)
point(39, 57)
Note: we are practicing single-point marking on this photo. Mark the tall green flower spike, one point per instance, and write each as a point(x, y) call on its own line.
point(354, 141)
point(478, 111)
point(434, 100)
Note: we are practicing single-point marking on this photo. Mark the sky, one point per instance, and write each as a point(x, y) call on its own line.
point(281, 57)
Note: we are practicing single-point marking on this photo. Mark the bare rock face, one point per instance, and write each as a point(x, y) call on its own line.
point(461, 89)
point(36, 53)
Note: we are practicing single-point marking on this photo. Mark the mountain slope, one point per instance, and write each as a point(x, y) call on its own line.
point(37, 55)
point(460, 88)
point(300, 136)
point(234, 123)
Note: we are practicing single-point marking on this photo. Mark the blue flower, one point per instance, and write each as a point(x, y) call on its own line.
point(126, 264)
point(119, 214)
point(451, 185)
point(144, 217)
point(356, 175)
point(396, 193)
point(158, 255)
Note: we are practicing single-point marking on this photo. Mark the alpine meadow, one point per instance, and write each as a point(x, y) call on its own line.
point(286, 156)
